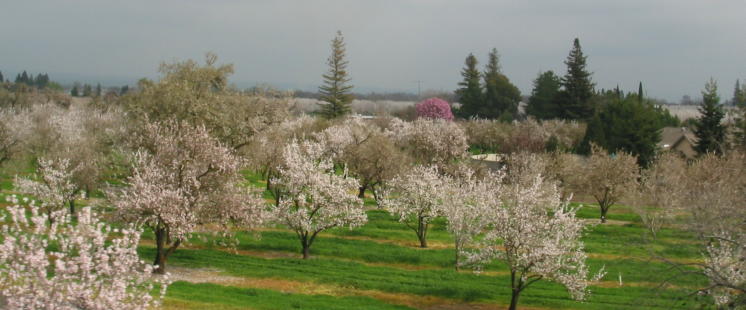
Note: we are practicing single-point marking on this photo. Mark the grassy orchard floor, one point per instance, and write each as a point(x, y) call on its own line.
point(378, 266)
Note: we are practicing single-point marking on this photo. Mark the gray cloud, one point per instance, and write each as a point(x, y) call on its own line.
point(673, 46)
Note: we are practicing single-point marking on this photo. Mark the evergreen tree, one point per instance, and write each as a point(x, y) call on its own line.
point(575, 98)
point(335, 91)
point(74, 92)
point(625, 124)
point(1, 77)
point(18, 78)
point(639, 92)
point(739, 94)
point(709, 130)
point(470, 93)
point(501, 97)
point(87, 90)
point(24, 78)
point(98, 90)
point(541, 104)
point(125, 89)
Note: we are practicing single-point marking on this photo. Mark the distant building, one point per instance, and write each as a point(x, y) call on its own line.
point(678, 139)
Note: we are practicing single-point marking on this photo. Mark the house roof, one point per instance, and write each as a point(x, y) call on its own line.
point(672, 136)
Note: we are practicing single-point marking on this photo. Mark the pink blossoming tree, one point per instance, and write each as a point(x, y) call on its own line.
point(91, 266)
point(434, 108)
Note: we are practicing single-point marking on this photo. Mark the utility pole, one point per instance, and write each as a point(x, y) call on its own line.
point(419, 88)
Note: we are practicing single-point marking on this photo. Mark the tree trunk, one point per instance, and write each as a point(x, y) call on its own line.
point(457, 258)
point(306, 251)
point(515, 290)
point(160, 251)
point(422, 232)
point(72, 206)
point(604, 210)
point(361, 192)
point(514, 299)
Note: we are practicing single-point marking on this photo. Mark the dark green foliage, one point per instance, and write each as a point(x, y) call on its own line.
point(2, 79)
point(335, 91)
point(75, 92)
point(124, 90)
point(626, 124)
point(575, 98)
point(22, 78)
point(639, 92)
point(666, 119)
point(739, 94)
point(501, 97)
point(87, 90)
point(541, 104)
point(709, 130)
point(98, 90)
point(470, 91)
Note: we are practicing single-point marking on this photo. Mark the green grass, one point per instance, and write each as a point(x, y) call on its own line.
point(239, 298)
point(383, 256)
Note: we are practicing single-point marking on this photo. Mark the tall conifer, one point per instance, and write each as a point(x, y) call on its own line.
point(575, 98)
point(542, 103)
point(501, 97)
point(709, 130)
point(335, 91)
point(470, 91)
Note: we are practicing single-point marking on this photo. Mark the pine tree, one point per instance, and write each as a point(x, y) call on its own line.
point(124, 89)
point(575, 98)
point(24, 78)
point(470, 93)
point(335, 91)
point(739, 94)
point(542, 104)
point(98, 90)
point(18, 78)
point(639, 92)
point(709, 130)
point(501, 97)
point(1, 77)
point(87, 90)
point(74, 92)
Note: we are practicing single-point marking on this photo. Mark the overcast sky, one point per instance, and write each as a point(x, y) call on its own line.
point(672, 46)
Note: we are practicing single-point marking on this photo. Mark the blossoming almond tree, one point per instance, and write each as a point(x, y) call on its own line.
point(607, 178)
point(54, 186)
point(184, 178)
point(430, 141)
point(416, 198)
point(91, 266)
point(312, 197)
point(467, 204)
point(537, 235)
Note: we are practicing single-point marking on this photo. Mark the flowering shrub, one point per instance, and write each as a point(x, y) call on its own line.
point(434, 108)
point(81, 271)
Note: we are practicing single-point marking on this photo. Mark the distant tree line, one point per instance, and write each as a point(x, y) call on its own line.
point(40, 81)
